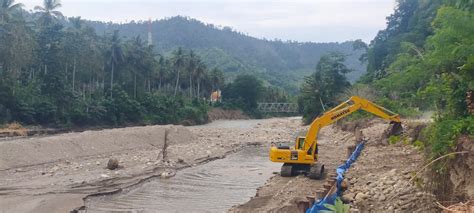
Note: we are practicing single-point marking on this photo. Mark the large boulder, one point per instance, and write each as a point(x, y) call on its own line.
point(112, 164)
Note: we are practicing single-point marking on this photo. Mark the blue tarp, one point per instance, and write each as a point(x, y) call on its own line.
point(319, 205)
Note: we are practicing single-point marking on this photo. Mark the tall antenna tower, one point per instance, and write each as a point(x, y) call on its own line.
point(150, 42)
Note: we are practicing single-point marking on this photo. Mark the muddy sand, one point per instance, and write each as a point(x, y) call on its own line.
point(54, 173)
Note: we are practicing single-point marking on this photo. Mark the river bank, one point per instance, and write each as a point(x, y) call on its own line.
point(16, 130)
point(54, 173)
point(379, 181)
point(281, 194)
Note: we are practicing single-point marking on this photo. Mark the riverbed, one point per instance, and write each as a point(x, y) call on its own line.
point(215, 168)
point(212, 187)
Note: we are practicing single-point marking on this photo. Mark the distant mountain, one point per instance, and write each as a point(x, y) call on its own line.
point(282, 64)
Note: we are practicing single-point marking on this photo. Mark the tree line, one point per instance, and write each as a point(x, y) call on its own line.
point(60, 71)
point(279, 63)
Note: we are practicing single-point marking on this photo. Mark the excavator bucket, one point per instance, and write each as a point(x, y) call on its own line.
point(395, 129)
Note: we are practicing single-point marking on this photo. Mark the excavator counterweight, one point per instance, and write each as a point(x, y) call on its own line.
point(303, 157)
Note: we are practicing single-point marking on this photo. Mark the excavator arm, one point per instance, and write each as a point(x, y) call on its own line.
point(350, 106)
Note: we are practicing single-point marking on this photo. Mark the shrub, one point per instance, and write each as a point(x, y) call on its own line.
point(45, 112)
point(443, 133)
point(338, 207)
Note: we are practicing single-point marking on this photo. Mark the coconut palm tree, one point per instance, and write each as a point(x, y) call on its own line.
point(77, 22)
point(161, 71)
point(200, 72)
point(114, 56)
point(48, 12)
point(217, 79)
point(178, 62)
point(465, 4)
point(7, 8)
point(149, 64)
point(136, 56)
point(192, 66)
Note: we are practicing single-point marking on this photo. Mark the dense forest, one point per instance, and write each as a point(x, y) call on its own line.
point(279, 63)
point(57, 71)
point(422, 62)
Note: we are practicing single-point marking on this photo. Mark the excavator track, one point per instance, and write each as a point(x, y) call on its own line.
point(316, 171)
point(287, 170)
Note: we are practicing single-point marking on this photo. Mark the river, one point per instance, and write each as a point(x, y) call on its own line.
point(212, 187)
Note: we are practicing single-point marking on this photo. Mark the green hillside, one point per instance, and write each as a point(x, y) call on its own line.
point(235, 52)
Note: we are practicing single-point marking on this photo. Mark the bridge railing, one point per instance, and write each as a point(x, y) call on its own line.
point(278, 107)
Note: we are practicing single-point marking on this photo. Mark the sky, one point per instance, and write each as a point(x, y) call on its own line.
point(297, 20)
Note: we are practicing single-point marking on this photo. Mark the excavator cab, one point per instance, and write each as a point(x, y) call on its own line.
point(299, 145)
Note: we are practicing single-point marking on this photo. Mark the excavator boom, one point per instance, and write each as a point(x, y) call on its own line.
point(346, 108)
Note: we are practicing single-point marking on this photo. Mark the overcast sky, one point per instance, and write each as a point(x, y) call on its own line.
point(300, 20)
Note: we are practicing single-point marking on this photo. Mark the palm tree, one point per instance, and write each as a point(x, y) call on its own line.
point(114, 56)
point(149, 64)
point(49, 11)
point(465, 4)
point(178, 62)
point(76, 31)
point(192, 65)
point(200, 71)
point(7, 7)
point(161, 71)
point(136, 58)
point(217, 78)
point(76, 22)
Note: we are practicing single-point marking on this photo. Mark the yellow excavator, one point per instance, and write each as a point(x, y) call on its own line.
point(303, 158)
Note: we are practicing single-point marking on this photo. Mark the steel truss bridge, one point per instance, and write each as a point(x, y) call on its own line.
point(277, 107)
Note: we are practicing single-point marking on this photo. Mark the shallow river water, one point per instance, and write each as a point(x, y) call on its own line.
point(212, 187)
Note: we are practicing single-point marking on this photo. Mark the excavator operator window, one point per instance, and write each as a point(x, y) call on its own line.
point(300, 143)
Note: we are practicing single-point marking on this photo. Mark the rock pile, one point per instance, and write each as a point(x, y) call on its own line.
point(389, 192)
